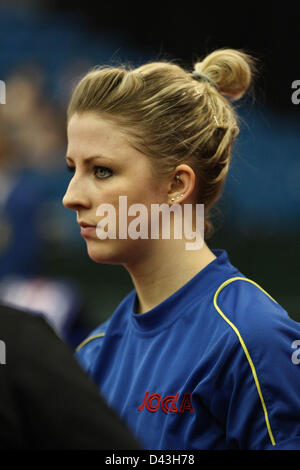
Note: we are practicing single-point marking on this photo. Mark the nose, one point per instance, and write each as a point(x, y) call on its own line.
point(75, 197)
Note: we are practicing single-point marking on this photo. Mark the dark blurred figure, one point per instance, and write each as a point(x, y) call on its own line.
point(47, 401)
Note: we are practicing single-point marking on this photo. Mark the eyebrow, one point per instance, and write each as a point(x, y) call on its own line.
point(93, 157)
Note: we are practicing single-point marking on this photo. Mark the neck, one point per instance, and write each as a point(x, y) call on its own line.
point(168, 267)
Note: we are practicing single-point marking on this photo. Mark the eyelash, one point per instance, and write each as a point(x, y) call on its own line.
point(71, 169)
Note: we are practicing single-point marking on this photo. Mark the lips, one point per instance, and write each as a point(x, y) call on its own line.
point(87, 230)
point(85, 224)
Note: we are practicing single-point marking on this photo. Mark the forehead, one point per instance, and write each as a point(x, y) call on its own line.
point(89, 134)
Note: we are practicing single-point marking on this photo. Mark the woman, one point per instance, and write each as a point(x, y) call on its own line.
point(196, 356)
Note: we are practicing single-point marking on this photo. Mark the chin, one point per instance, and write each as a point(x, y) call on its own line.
point(112, 252)
point(103, 253)
point(99, 256)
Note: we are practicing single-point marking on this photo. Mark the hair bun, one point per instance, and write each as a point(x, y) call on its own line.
point(231, 69)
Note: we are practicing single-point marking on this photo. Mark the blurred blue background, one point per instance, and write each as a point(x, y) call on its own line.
point(45, 48)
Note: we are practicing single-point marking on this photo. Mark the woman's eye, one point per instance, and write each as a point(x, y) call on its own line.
point(102, 172)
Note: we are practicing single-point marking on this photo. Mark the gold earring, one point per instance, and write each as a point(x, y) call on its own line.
point(173, 198)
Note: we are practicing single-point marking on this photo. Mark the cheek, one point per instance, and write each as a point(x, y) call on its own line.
point(105, 201)
point(125, 195)
point(147, 193)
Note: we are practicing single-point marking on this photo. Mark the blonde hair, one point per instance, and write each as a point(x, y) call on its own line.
point(174, 116)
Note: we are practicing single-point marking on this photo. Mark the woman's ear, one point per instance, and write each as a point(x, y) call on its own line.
point(181, 184)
